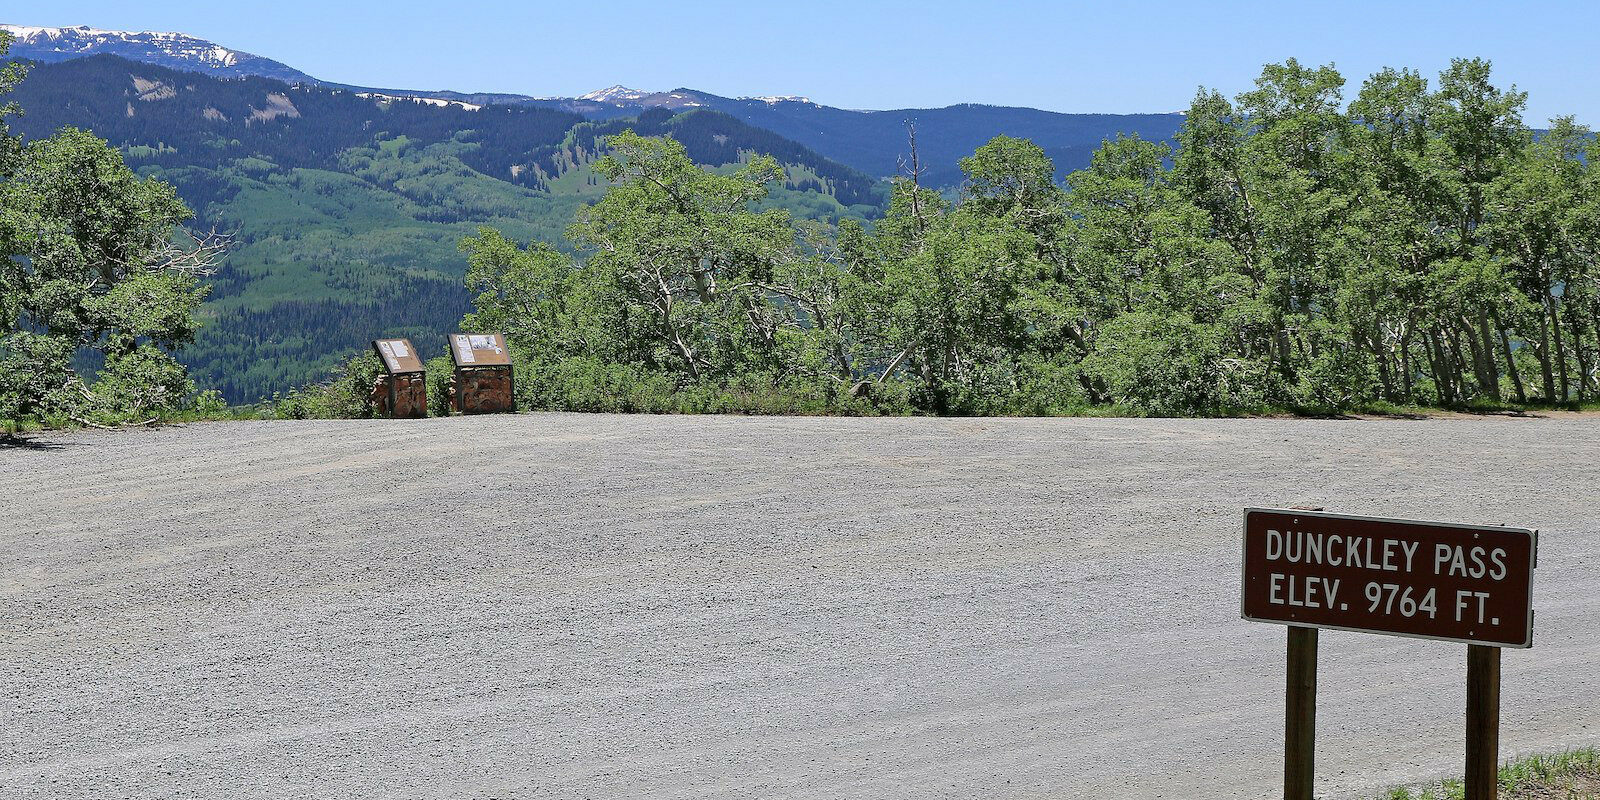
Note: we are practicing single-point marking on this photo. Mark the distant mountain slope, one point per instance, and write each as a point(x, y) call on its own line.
point(347, 208)
point(712, 137)
point(875, 142)
point(186, 120)
point(176, 50)
point(193, 120)
point(872, 142)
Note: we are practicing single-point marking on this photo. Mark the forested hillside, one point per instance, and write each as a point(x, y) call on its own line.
point(346, 209)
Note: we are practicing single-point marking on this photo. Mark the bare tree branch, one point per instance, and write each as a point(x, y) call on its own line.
point(199, 258)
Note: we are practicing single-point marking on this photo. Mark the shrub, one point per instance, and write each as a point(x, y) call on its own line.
point(1167, 365)
point(345, 396)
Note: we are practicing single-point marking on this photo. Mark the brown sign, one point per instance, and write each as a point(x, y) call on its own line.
point(398, 355)
point(479, 350)
point(1433, 580)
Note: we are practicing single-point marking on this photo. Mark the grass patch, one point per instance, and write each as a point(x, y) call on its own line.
point(1573, 775)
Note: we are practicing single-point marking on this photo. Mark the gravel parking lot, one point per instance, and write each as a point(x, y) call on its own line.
point(577, 606)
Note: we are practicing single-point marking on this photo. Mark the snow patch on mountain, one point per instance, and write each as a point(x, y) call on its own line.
point(615, 94)
point(432, 101)
point(167, 49)
point(278, 105)
point(150, 91)
point(773, 100)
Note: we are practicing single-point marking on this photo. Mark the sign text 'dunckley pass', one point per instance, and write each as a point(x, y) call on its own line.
point(1426, 579)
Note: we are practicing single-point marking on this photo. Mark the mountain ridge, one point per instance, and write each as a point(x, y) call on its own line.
point(163, 48)
point(872, 141)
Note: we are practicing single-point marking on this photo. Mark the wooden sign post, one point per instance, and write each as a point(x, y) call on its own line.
point(1483, 722)
point(1430, 580)
point(1300, 714)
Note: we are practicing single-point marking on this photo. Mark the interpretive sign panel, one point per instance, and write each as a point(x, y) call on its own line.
point(479, 350)
point(1432, 580)
point(398, 355)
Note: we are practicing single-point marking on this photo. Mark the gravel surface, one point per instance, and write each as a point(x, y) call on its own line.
point(554, 605)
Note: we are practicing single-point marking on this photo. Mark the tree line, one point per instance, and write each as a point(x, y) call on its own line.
point(1416, 244)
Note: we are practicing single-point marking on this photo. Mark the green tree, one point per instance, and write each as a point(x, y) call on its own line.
point(1140, 246)
point(533, 294)
point(1401, 189)
point(943, 297)
point(1166, 364)
point(1535, 226)
point(1014, 179)
point(686, 260)
point(89, 267)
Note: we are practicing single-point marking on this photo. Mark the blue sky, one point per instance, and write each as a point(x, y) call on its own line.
point(1064, 56)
